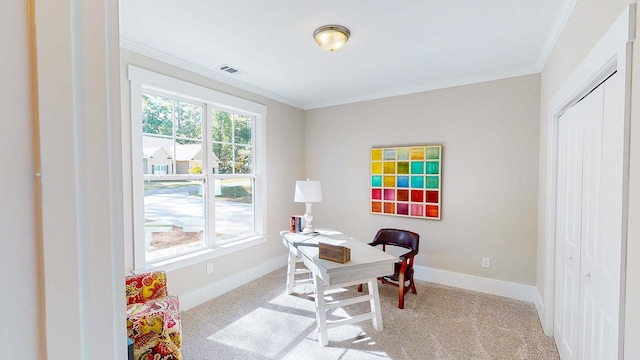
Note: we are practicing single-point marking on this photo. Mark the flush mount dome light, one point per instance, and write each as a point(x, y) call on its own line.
point(331, 37)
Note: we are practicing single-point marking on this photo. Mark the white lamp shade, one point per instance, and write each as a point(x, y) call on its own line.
point(308, 191)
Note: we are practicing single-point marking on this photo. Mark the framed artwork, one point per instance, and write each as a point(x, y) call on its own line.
point(406, 181)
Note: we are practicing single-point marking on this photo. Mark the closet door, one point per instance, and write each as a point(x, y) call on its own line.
point(602, 227)
point(589, 226)
point(593, 313)
point(568, 232)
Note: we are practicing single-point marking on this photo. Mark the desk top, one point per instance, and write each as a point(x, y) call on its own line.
point(366, 261)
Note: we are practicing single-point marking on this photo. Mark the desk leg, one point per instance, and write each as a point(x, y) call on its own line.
point(375, 304)
point(321, 311)
point(291, 273)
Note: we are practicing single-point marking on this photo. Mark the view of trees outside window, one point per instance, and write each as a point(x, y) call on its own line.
point(232, 139)
point(232, 142)
point(179, 215)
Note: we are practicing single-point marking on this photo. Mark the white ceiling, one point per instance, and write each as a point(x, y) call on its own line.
point(396, 47)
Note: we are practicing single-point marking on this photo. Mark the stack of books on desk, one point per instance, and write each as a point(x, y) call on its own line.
point(295, 223)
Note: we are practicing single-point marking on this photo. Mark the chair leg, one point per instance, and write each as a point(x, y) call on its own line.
point(401, 290)
point(413, 286)
point(360, 288)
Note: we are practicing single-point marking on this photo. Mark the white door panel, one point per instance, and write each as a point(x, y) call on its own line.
point(568, 228)
point(589, 226)
point(609, 264)
point(590, 113)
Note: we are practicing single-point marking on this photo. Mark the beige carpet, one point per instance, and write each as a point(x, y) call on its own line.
point(259, 321)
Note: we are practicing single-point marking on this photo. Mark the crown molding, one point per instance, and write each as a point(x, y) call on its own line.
point(556, 30)
point(200, 70)
point(470, 80)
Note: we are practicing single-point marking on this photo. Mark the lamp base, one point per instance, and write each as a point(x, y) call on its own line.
point(308, 228)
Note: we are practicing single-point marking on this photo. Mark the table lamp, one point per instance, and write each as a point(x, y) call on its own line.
point(308, 192)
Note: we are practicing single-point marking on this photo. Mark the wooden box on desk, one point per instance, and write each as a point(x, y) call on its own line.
point(335, 253)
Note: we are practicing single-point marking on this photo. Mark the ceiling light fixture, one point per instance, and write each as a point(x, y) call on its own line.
point(331, 37)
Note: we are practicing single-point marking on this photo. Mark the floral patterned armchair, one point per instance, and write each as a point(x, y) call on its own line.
point(153, 318)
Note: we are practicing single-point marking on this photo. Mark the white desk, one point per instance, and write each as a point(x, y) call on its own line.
point(366, 265)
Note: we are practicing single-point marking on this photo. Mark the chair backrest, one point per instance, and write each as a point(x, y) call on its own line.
point(396, 237)
point(147, 286)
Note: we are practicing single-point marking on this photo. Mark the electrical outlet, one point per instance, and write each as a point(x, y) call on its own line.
point(486, 262)
point(209, 268)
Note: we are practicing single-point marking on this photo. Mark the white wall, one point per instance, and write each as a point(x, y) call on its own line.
point(587, 24)
point(285, 154)
point(77, 105)
point(20, 282)
point(489, 133)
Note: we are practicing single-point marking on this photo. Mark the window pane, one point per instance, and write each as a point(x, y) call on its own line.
point(242, 130)
point(244, 163)
point(224, 154)
point(157, 115)
point(173, 217)
point(188, 120)
point(222, 126)
point(234, 208)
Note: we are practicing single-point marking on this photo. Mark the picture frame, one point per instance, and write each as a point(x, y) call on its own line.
point(406, 181)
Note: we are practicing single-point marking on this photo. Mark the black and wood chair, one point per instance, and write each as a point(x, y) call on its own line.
point(403, 270)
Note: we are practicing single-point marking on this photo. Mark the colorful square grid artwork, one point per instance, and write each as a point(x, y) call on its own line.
point(406, 180)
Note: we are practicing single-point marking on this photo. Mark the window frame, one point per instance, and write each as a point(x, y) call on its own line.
point(146, 81)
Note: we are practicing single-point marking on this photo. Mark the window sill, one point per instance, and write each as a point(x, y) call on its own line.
point(196, 257)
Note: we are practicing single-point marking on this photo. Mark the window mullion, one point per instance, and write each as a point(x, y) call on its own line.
point(137, 170)
point(173, 123)
point(210, 194)
point(233, 143)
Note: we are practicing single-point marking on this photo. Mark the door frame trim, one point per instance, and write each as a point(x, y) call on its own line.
point(611, 54)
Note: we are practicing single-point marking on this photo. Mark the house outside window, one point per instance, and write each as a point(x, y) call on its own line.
point(198, 174)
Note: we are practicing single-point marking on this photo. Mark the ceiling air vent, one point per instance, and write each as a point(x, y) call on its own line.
point(230, 70)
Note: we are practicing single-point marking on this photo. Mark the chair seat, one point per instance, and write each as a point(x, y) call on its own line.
point(396, 272)
point(169, 306)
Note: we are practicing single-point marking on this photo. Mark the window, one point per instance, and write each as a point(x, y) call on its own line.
point(197, 170)
point(160, 169)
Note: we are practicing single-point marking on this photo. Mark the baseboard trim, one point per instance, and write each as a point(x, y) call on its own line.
point(476, 283)
point(469, 282)
point(539, 303)
point(540, 308)
point(197, 297)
